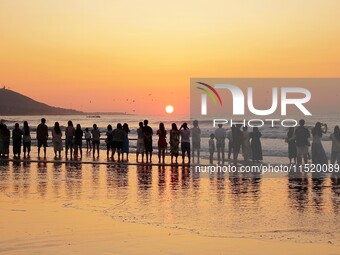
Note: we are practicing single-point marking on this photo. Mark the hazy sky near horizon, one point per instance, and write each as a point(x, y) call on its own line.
point(102, 55)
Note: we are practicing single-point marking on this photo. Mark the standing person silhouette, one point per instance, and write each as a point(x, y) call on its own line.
point(246, 147)
point(230, 141)
point(95, 139)
point(196, 141)
point(69, 138)
point(88, 139)
point(220, 136)
point(335, 138)
point(17, 139)
point(162, 144)
point(118, 136)
point(6, 136)
point(1, 139)
point(211, 148)
point(318, 152)
point(126, 145)
point(148, 132)
point(256, 146)
point(184, 131)
point(140, 142)
point(78, 141)
point(174, 142)
point(290, 139)
point(109, 138)
point(26, 139)
point(42, 136)
point(302, 143)
point(237, 141)
point(57, 139)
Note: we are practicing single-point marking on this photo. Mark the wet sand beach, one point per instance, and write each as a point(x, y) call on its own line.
point(67, 207)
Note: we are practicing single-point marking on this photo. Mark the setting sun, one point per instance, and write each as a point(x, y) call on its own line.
point(169, 109)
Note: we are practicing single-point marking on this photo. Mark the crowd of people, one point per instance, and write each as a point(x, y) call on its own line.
point(298, 140)
point(182, 139)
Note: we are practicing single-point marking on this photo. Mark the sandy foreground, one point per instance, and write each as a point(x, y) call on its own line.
point(30, 227)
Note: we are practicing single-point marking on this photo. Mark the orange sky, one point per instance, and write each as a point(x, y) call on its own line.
point(94, 55)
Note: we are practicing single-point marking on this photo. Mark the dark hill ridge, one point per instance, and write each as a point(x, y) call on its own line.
point(13, 103)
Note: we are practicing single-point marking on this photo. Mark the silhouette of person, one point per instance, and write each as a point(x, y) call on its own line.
point(246, 147)
point(290, 139)
point(184, 132)
point(211, 148)
point(256, 146)
point(1, 139)
point(237, 141)
point(140, 142)
point(118, 136)
point(57, 139)
point(126, 146)
point(148, 132)
point(78, 141)
point(335, 138)
point(88, 139)
point(69, 140)
point(174, 142)
point(42, 136)
point(318, 152)
point(230, 141)
point(17, 140)
point(220, 136)
point(162, 144)
point(95, 139)
point(26, 139)
point(302, 143)
point(196, 141)
point(109, 138)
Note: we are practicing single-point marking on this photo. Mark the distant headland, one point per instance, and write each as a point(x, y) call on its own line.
point(14, 103)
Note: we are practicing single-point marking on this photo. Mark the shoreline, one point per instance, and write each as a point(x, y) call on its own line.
point(28, 228)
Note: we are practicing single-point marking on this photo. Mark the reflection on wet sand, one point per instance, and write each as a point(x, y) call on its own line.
point(176, 196)
point(42, 179)
point(335, 181)
point(298, 191)
point(73, 180)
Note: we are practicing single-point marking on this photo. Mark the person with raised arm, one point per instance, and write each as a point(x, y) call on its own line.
point(318, 152)
point(184, 132)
